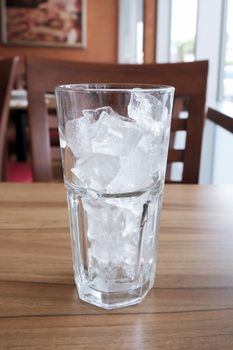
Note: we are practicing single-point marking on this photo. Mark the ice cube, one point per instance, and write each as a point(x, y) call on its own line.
point(112, 134)
point(78, 137)
point(97, 171)
point(152, 142)
point(113, 259)
point(94, 114)
point(144, 107)
point(140, 168)
point(113, 232)
point(103, 261)
point(133, 174)
point(105, 221)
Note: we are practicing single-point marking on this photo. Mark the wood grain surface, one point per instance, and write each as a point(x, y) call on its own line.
point(191, 306)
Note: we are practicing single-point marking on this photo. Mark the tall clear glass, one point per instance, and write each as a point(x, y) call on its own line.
point(114, 143)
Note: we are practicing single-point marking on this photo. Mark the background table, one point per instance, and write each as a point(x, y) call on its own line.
point(191, 308)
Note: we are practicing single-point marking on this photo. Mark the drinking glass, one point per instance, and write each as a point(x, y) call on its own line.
point(114, 144)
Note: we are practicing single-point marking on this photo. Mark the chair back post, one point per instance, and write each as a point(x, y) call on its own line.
point(38, 125)
point(8, 68)
point(194, 140)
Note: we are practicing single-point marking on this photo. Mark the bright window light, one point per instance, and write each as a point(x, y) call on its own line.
point(183, 30)
point(228, 59)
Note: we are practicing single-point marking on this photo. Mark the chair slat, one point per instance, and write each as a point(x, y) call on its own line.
point(53, 121)
point(55, 153)
point(176, 155)
point(8, 73)
point(179, 124)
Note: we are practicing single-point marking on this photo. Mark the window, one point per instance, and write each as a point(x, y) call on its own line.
point(227, 86)
point(200, 30)
point(183, 30)
point(182, 49)
point(130, 31)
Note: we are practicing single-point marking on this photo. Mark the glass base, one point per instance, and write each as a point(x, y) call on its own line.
point(113, 300)
point(114, 243)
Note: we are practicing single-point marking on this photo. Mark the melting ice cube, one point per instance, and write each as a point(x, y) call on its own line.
point(115, 154)
point(134, 174)
point(105, 221)
point(94, 114)
point(77, 133)
point(97, 171)
point(112, 134)
point(140, 168)
point(113, 234)
point(144, 107)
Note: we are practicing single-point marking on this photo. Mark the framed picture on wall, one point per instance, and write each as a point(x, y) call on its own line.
point(54, 23)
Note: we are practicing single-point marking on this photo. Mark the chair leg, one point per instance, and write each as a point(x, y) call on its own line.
point(3, 175)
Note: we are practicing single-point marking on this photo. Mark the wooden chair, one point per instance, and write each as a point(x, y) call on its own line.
point(8, 71)
point(189, 79)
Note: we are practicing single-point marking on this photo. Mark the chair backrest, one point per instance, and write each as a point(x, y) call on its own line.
point(189, 79)
point(8, 71)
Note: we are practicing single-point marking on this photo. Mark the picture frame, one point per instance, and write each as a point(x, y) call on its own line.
point(44, 23)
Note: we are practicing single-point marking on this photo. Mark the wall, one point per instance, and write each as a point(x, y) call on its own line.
point(102, 37)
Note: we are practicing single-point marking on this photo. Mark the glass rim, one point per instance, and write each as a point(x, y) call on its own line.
point(114, 87)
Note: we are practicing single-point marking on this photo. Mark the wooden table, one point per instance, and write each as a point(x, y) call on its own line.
point(191, 308)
